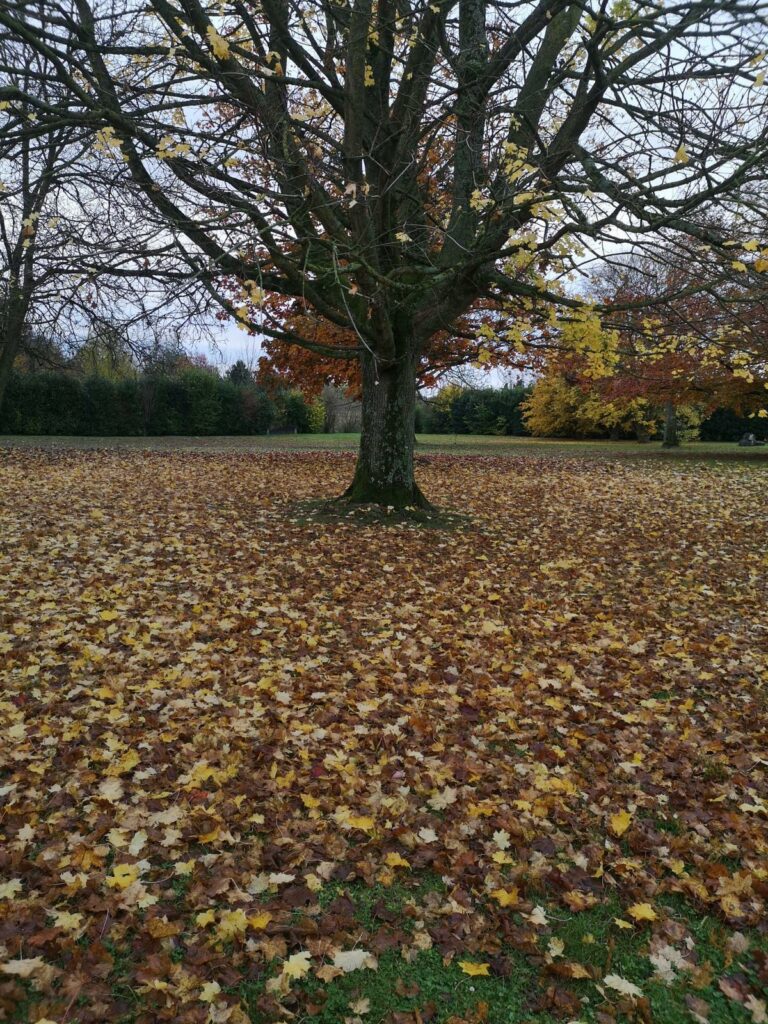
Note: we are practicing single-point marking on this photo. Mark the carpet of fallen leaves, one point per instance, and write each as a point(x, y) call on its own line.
point(222, 719)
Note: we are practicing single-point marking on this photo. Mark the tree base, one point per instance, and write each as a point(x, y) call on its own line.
point(364, 492)
point(342, 511)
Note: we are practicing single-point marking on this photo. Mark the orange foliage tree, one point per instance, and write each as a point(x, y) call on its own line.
point(310, 370)
point(677, 344)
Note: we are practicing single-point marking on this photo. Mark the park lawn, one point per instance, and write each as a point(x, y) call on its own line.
point(264, 765)
point(481, 444)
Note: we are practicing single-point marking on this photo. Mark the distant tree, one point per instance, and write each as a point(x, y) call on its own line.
point(80, 256)
point(239, 374)
point(685, 345)
point(558, 407)
point(105, 352)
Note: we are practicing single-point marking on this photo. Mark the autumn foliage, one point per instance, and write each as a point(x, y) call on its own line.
point(287, 365)
point(705, 348)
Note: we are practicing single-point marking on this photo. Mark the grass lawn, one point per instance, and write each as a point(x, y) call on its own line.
point(428, 443)
point(260, 767)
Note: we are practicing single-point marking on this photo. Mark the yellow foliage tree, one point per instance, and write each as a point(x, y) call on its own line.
point(559, 409)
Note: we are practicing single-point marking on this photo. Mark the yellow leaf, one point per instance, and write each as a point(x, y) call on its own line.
point(109, 615)
point(354, 960)
point(122, 876)
point(162, 928)
point(739, 266)
point(260, 921)
point(297, 966)
point(309, 801)
point(394, 860)
point(474, 970)
point(642, 912)
point(577, 971)
point(23, 968)
point(67, 921)
point(506, 897)
point(361, 821)
point(620, 822)
point(205, 918)
point(232, 923)
point(501, 838)
point(556, 947)
point(622, 985)
point(578, 900)
point(219, 46)
point(681, 155)
point(621, 923)
point(8, 890)
point(124, 764)
point(209, 991)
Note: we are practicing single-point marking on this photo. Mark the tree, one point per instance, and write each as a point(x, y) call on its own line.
point(388, 164)
point(559, 407)
point(310, 371)
point(81, 262)
point(37, 169)
point(239, 374)
point(688, 346)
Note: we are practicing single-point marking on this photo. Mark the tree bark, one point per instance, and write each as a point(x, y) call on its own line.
point(671, 439)
point(384, 472)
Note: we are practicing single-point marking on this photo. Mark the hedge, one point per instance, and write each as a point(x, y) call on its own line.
point(194, 402)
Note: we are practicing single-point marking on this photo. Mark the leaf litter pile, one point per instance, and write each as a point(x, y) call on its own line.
point(258, 767)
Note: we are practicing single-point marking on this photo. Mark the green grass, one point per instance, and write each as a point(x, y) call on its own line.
point(456, 444)
point(518, 990)
point(442, 991)
point(426, 985)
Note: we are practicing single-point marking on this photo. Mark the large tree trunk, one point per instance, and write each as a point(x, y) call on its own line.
point(384, 472)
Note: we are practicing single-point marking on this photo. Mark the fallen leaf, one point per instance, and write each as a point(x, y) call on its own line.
point(297, 966)
point(123, 875)
point(622, 985)
point(354, 960)
point(642, 912)
point(23, 968)
point(620, 822)
point(474, 970)
point(210, 991)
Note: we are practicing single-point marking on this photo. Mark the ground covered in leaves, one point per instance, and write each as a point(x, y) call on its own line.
point(260, 766)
